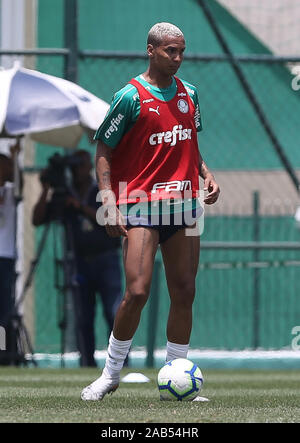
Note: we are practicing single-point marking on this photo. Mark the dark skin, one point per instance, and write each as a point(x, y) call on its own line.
point(81, 181)
point(165, 60)
point(6, 170)
point(140, 243)
point(7, 166)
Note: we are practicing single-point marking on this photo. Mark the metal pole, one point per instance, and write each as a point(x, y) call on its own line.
point(153, 315)
point(267, 245)
point(245, 58)
point(71, 40)
point(256, 271)
point(71, 74)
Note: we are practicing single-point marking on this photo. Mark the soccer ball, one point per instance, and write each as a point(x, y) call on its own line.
point(179, 379)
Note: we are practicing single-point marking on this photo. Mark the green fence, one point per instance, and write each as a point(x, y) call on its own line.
point(237, 306)
point(247, 297)
point(233, 137)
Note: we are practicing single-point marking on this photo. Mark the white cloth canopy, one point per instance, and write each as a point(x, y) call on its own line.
point(50, 109)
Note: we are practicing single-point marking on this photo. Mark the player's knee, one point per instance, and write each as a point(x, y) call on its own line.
point(183, 294)
point(136, 297)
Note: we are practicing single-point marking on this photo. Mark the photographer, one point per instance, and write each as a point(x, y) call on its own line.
point(8, 208)
point(96, 254)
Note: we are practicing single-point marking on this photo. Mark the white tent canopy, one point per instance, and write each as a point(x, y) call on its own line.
point(50, 109)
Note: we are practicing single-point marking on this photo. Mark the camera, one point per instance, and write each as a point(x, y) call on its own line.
point(56, 173)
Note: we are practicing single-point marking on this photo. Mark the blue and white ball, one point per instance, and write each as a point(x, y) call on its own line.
point(180, 380)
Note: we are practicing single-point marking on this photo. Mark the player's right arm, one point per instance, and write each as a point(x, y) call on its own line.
point(122, 115)
point(115, 223)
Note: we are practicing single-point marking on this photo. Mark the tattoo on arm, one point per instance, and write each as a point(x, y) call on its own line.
point(203, 169)
point(103, 160)
point(106, 178)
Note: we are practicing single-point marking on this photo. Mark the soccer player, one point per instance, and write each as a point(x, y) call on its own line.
point(147, 153)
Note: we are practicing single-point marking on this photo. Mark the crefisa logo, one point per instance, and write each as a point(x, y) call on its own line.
point(183, 106)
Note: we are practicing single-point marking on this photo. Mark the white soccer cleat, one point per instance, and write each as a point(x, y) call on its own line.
point(99, 388)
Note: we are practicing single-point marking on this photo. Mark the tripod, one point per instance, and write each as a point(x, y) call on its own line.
point(69, 285)
point(69, 288)
point(20, 334)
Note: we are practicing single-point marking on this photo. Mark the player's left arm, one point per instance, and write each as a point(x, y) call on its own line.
point(210, 183)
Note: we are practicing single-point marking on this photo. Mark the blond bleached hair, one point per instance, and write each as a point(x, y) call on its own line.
point(161, 30)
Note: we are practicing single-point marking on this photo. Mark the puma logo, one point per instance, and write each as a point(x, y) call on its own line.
point(155, 110)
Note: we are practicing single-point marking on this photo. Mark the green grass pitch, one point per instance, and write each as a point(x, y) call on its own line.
point(36, 395)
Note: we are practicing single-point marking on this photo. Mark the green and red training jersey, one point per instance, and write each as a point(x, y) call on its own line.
point(153, 134)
